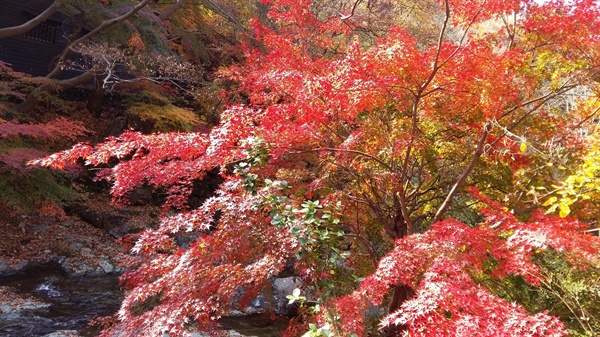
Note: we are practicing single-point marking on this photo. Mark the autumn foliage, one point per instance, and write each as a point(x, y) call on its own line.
point(351, 161)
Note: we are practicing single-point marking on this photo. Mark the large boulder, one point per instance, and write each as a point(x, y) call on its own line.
point(282, 287)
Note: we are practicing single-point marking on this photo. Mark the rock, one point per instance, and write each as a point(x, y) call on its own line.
point(235, 313)
point(46, 221)
point(106, 266)
point(28, 305)
point(259, 302)
point(31, 305)
point(5, 269)
point(16, 319)
point(183, 240)
point(76, 246)
point(76, 269)
point(281, 288)
point(117, 222)
point(60, 260)
point(142, 196)
point(39, 228)
point(4, 308)
point(117, 232)
point(86, 251)
point(63, 333)
point(97, 219)
point(117, 127)
point(8, 270)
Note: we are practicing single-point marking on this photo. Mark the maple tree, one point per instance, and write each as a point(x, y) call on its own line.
point(351, 161)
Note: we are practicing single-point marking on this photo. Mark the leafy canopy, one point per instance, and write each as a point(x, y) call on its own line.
point(351, 162)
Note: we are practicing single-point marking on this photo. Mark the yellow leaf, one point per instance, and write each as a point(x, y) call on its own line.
point(523, 147)
point(551, 209)
point(550, 201)
point(564, 210)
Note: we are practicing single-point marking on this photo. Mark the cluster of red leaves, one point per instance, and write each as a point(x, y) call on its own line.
point(60, 128)
point(301, 102)
point(444, 264)
point(203, 282)
point(16, 159)
point(171, 160)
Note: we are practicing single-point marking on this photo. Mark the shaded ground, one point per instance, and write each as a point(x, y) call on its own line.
point(38, 240)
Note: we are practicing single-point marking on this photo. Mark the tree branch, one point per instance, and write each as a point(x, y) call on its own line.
point(463, 177)
point(165, 15)
point(105, 24)
point(32, 98)
point(29, 25)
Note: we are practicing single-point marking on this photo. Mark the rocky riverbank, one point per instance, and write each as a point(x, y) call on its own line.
point(45, 302)
point(58, 273)
point(78, 248)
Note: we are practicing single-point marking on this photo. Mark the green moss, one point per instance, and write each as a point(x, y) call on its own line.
point(26, 191)
point(150, 34)
point(165, 117)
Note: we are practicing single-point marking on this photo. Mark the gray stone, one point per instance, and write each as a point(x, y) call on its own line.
point(235, 313)
point(8, 270)
point(78, 269)
point(86, 251)
point(281, 288)
point(7, 308)
point(60, 259)
point(63, 333)
point(106, 266)
point(76, 246)
point(259, 302)
point(39, 228)
point(5, 269)
point(285, 286)
point(4, 308)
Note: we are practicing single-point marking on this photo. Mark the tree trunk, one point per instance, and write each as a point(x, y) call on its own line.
point(94, 105)
point(401, 293)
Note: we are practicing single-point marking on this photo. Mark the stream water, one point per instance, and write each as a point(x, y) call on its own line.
point(71, 302)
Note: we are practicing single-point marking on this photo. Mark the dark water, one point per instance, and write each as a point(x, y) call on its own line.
point(74, 301)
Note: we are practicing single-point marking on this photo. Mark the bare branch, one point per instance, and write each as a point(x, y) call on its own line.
point(165, 15)
point(105, 24)
point(29, 25)
point(348, 16)
point(463, 177)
